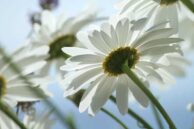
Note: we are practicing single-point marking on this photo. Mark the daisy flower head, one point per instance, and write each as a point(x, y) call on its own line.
point(98, 69)
point(156, 10)
point(58, 32)
point(13, 88)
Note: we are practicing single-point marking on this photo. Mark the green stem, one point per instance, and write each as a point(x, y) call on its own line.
point(141, 85)
point(37, 92)
point(189, 4)
point(134, 115)
point(114, 118)
point(157, 116)
point(6, 110)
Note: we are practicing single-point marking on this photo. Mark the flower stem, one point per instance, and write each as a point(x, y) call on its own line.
point(134, 115)
point(189, 4)
point(114, 117)
point(157, 116)
point(141, 85)
point(6, 110)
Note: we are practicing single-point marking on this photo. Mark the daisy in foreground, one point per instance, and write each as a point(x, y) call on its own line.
point(158, 10)
point(59, 32)
point(98, 68)
point(13, 88)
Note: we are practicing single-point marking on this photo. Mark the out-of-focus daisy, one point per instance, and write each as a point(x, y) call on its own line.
point(99, 67)
point(13, 88)
point(60, 32)
point(156, 10)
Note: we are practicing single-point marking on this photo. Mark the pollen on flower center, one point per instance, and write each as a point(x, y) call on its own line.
point(63, 41)
point(168, 2)
point(114, 61)
point(2, 86)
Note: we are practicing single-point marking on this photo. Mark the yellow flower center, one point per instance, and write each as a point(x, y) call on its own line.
point(56, 46)
point(3, 88)
point(168, 2)
point(113, 62)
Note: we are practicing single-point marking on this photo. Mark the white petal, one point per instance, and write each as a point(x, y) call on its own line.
point(48, 20)
point(25, 93)
point(75, 51)
point(151, 35)
point(160, 42)
point(86, 59)
point(85, 77)
point(82, 80)
point(108, 40)
point(88, 94)
point(173, 17)
point(34, 67)
point(124, 32)
point(161, 50)
point(122, 94)
point(167, 77)
point(103, 92)
point(152, 73)
point(114, 38)
point(95, 40)
point(137, 93)
point(83, 38)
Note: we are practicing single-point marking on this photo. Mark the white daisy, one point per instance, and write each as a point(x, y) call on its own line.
point(98, 68)
point(13, 87)
point(59, 32)
point(157, 10)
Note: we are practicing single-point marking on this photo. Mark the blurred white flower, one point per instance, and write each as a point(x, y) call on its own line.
point(60, 32)
point(157, 11)
point(13, 88)
point(98, 68)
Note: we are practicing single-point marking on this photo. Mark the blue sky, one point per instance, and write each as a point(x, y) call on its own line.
point(14, 28)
